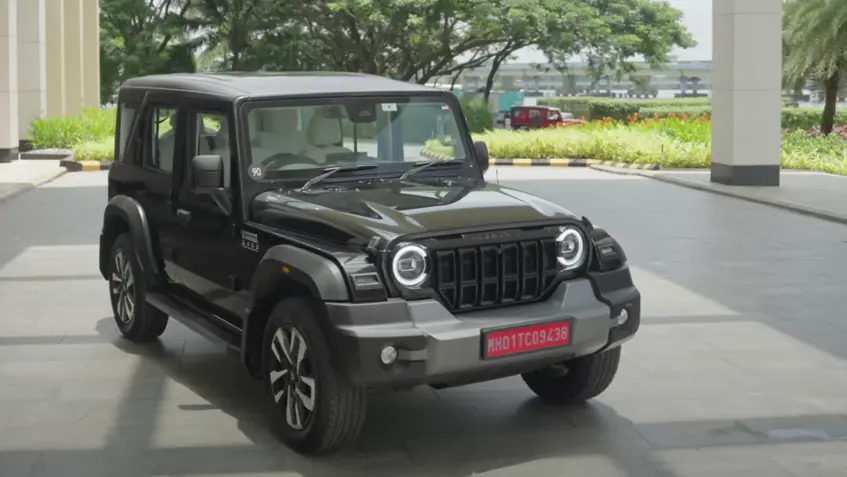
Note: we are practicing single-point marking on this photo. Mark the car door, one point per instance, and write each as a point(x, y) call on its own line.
point(207, 247)
point(153, 153)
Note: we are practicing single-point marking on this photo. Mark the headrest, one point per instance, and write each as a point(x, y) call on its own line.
point(279, 119)
point(323, 131)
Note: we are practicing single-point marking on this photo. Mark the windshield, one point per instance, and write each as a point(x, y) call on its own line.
point(302, 140)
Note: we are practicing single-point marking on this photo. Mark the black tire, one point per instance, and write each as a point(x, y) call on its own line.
point(137, 320)
point(580, 379)
point(338, 407)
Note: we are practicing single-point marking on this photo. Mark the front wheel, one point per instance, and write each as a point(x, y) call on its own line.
point(577, 380)
point(315, 410)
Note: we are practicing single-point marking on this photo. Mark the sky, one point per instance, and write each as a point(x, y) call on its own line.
point(697, 17)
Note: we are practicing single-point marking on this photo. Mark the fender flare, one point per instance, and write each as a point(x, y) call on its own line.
point(130, 212)
point(318, 276)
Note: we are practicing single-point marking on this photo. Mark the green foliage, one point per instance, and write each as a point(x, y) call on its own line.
point(805, 118)
point(675, 111)
point(814, 44)
point(102, 150)
point(593, 109)
point(672, 143)
point(477, 114)
point(66, 133)
point(599, 108)
point(414, 40)
point(619, 30)
point(141, 37)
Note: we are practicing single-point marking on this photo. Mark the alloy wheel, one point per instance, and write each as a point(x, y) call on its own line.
point(292, 378)
point(123, 288)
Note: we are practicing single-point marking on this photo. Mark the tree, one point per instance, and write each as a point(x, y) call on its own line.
point(815, 44)
point(620, 30)
point(534, 23)
point(411, 40)
point(141, 37)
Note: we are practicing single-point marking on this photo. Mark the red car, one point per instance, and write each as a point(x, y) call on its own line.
point(537, 117)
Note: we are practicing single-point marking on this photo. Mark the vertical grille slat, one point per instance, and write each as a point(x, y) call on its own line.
point(469, 278)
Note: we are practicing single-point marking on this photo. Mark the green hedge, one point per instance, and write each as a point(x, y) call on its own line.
point(599, 108)
point(621, 109)
point(671, 143)
point(792, 118)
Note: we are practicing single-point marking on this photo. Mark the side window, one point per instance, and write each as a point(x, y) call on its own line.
point(127, 115)
point(162, 139)
point(213, 139)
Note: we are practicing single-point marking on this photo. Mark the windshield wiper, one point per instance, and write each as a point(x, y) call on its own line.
point(425, 165)
point(332, 170)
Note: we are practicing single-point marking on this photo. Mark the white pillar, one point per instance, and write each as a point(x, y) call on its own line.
point(55, 40)
point(746, 92)
point(91, 53)
point(8, 80)
point(73, 56)
point(32, 64)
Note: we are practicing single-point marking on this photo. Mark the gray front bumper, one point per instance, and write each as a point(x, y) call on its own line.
point(438, 347)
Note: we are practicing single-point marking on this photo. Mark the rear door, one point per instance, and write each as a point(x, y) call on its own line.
point(151, 155)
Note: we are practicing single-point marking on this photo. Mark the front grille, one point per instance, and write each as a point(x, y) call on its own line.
point(470, 278)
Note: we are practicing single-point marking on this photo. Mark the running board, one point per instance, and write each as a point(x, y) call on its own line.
point(197, 322)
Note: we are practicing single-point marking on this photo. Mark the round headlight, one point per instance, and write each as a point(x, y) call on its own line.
point(409, 265)
point(571, 247)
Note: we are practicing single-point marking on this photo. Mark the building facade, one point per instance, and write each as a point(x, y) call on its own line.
point(682, 76)
point(49, 64)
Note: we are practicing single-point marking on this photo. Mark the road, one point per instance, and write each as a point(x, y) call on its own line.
point(737, 370)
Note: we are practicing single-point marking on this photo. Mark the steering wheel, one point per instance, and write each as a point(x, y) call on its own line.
point(288, 158)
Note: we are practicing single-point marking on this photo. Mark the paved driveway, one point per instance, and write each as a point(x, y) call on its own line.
point(739, 368)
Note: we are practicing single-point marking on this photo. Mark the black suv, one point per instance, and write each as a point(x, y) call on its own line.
point(301, 220)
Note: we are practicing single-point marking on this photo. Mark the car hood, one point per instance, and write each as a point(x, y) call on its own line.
point(392, 209)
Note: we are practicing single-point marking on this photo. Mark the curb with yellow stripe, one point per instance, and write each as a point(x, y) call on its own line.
point(85, 166)
point(549, 162)
point(554, 162)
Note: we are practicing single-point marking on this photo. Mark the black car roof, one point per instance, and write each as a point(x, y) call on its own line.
point(276, 84)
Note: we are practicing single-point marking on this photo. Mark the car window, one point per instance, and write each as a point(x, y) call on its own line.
point(368, 130)
point(162, 139)
point(213, 139)
point(126, 116)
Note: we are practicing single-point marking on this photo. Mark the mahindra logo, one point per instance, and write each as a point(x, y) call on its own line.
point(488, 236)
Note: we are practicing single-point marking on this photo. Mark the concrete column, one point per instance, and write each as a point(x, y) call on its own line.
point(55, 40)
point(747, 90)
point(32, 64)
point(8, 80)
point(91, 53)
point(73, 57)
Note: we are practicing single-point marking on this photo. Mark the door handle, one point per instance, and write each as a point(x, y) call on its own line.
point(183, 216)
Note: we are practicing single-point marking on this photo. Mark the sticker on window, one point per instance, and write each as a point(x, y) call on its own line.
point(389, 107)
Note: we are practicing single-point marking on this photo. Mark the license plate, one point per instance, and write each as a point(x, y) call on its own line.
point(507, 342)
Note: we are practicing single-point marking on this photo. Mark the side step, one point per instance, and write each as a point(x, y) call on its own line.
point(197, 322)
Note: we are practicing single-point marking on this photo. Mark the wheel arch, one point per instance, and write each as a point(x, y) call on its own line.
point(286, 271)
point(125, 215)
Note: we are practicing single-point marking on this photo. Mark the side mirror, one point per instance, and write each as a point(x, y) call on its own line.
point(207, 178)
point(481, 153)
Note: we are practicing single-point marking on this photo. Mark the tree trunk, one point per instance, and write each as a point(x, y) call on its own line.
point(830, 99)
point(454, 80)
point(489, 82)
